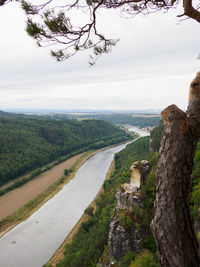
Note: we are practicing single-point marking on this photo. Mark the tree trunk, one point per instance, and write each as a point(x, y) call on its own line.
point(172, 225)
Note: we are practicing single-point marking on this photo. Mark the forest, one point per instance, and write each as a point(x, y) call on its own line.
point(116, 118)
point(27, 144)
point(89, 246)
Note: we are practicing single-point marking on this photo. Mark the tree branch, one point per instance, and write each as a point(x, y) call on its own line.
point(190, 11)
point(3, 2)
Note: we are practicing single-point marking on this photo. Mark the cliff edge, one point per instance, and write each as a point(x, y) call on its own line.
point(126, 231)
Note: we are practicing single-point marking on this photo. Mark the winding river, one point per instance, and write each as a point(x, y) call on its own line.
point(33, 242)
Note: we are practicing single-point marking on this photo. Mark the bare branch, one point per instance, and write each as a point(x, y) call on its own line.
point(3, 2)
point(190, 11)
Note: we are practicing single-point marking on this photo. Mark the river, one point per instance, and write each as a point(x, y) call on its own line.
point(33, 242)
point(135, 129)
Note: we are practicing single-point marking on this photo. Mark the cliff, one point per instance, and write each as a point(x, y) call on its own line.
point(126, 231)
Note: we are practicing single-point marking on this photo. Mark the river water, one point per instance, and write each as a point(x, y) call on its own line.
point(135, 129)
point(33, 242)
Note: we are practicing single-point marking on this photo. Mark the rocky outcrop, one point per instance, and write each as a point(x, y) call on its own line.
point(123, 239)
point(127, 199)
point(139, 172)
point(125, 232)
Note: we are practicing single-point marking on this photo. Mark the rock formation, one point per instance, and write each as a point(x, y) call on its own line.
point(125, 234)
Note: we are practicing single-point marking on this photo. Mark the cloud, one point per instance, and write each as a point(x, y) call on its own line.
point(151, 66)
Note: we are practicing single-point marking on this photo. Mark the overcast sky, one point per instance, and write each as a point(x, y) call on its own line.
point(150, 68)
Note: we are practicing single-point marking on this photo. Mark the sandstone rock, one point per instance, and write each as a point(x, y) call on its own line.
point(126, 200)
point(123, 240)
point(139, 171)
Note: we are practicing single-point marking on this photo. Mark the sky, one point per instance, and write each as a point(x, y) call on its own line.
point(150, 68)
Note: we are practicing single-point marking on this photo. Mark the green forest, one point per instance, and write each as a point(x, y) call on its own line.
point(89, 246)
point(120, 119)
point(27, 144)
point(114, 118)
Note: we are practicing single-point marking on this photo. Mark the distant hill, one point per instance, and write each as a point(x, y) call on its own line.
point(6, 114)
point(141, 120)
point(27, 143)
point(134, 119)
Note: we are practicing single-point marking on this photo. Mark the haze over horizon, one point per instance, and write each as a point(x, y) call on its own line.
point(150, 68)
point(86, 111)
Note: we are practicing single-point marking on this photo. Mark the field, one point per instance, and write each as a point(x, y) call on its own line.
point(15, 199)
point(146, 116)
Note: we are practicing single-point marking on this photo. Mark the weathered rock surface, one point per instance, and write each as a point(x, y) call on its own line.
point(123, 239)
point(139, 172)
point(126, 200)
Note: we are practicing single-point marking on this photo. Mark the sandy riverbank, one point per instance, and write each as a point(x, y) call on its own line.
point(15, 199)
point(25, 200)
point(19, 204)
point(22, 213)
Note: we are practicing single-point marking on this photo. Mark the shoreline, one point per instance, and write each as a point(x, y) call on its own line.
point(9, 222)
point(59, 253)
point(26, 210)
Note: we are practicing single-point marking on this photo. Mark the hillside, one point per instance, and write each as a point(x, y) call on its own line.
point(26, 144)
point(92, 238)
point(141, 121)
point(6, 114)
point(91, 245)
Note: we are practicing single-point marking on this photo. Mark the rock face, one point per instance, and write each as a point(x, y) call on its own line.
point(122, 240)
point(127, 199)
point(125, 235)
point(139, 172)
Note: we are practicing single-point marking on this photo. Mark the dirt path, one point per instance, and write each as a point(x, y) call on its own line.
point(15, 199)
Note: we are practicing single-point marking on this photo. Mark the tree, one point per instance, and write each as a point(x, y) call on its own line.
point(49, 23)
point(172, 225)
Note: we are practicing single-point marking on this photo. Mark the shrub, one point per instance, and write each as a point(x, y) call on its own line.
point(125, 221)
point(89, 211)
point(66, 171)
point(145, 259)
point(35, 173)
point(127, 259)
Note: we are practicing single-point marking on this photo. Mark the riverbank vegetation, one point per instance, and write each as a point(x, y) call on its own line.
point(27, 144)
point(91, 239)
point(89, 245)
